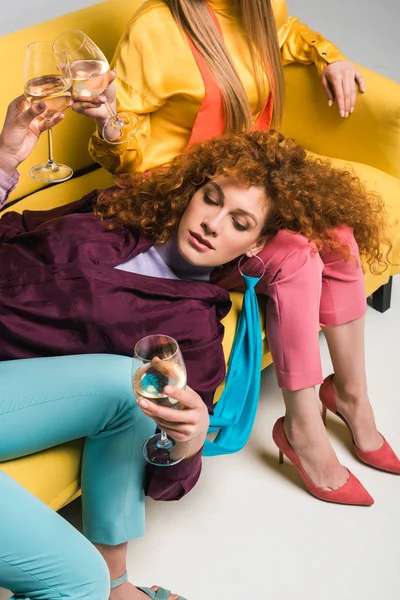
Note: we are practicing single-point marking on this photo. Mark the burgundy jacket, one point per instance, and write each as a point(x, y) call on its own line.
point(60, 294)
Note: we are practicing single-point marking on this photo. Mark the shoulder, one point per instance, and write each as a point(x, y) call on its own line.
point(281, 13)
point(152, 19)
point(151, 43)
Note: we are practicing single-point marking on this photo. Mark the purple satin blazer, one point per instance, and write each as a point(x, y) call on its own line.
point(60, 294)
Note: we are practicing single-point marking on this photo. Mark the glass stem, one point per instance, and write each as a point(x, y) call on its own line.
point(50, 160)
point(164, 442)
point(112, 112)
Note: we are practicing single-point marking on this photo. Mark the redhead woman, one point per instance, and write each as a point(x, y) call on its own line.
point(93, 277)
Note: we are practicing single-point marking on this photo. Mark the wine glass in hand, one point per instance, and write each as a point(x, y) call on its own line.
point(158, 362)
point(90, 77)
point(48, 77)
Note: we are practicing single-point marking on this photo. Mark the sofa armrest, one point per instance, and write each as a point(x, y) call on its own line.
point(371, 135)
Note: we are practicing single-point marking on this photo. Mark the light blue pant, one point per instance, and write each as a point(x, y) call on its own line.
point(45, 402)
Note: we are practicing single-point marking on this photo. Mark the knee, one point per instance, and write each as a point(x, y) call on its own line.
point(91, 579)
point(289, 253)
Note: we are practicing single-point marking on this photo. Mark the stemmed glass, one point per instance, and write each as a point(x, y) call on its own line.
point(48, 77)
point(90, 77)
point(158, 362)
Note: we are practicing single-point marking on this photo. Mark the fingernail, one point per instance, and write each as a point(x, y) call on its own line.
point(330, 102)
point(351, 109)
point(169, 389)
point(143, 403)
point(342, 113)
point(347, 114)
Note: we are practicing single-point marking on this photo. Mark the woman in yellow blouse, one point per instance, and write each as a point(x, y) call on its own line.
point(161, 61)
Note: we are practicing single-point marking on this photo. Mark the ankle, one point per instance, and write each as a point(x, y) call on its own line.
point(303, 432)
point(349, 392)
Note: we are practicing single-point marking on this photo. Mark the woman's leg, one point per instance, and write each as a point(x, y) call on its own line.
point(344, 332)
point(42, 557)
point(293, 288)
point(45, 402)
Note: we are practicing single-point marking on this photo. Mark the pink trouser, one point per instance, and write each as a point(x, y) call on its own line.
point(304, 288)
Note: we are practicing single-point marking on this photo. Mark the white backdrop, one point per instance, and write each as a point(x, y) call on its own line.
point(17, 14)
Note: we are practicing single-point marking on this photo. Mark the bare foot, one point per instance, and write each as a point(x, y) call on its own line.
point(359, 414)
point(127, 591)
point(314, 450)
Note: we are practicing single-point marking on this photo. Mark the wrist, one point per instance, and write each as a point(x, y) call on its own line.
point(8, 162)
point(195, 445)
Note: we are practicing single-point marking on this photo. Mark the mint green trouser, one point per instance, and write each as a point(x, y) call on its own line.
point(45, 402)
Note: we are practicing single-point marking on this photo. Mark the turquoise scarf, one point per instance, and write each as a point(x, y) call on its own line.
point(235, 411)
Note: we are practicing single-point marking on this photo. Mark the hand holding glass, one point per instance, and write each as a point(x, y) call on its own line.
point(90, 77)
point(158, 362)
point(48, 77)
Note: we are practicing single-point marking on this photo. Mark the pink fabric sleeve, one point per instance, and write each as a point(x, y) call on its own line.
point(7, 184)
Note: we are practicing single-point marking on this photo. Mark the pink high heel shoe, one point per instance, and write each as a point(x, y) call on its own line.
point(384, 458)
point(352, 492)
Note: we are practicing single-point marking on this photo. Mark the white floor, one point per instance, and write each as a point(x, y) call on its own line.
point(249, 529)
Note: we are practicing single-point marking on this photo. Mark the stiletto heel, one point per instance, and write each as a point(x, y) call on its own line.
point(352, 492)
point(280, 457)
point(384, 458)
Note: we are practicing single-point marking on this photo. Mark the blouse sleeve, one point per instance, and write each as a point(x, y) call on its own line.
point(139, 86)
point(7, 184)
point(301, 44)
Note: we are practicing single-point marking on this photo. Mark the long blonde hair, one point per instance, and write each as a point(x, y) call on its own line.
point(259, 27)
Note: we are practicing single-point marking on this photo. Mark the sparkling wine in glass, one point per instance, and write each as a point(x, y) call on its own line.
point(48, 77)
point(90, 77)
point(158, 362)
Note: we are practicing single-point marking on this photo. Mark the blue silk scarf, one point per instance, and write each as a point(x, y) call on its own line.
point(235, 411)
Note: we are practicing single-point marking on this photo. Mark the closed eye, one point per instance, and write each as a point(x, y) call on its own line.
point(208, 200)
point(239, 226)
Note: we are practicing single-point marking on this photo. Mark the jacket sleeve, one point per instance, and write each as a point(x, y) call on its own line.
point(13, 223)
point(138, 86)
point(172, 483)
point(301, 44)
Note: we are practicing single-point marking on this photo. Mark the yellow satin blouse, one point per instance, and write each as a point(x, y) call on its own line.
point(158, 79)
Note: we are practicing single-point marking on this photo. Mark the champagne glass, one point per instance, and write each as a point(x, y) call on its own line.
point(90, 77)
point(48, 77)
point(158, 362)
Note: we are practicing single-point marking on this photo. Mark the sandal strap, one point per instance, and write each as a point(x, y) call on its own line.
point(117, 582)
point(161, 594)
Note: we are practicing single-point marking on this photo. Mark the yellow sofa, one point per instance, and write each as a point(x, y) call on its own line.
point(369, 141)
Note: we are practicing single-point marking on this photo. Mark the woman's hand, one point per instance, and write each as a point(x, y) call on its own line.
point(94, 106)
point(339, 80)
point(189, 425)
point(21, 130)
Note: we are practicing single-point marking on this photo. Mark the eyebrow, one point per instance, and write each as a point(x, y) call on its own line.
point(239, 211)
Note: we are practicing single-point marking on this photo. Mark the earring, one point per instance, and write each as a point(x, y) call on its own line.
point(243, 258)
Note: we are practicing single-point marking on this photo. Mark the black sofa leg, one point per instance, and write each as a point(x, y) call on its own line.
point(381, 298)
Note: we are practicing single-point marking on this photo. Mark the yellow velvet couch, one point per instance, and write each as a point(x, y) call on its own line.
point(369, 140)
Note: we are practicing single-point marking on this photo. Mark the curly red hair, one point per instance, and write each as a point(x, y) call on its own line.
point(305, 195)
